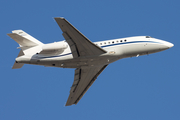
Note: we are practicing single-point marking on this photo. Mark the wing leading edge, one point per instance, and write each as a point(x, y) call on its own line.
point(83, 79)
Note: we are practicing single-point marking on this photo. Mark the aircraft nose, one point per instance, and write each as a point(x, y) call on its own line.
point(164, 44)
point(169, 45)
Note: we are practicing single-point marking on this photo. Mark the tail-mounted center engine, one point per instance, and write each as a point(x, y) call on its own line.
point(54, 48)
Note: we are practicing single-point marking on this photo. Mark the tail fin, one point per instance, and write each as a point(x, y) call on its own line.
point(24, 39)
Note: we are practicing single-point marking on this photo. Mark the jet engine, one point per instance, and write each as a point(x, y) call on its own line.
point(55, 48)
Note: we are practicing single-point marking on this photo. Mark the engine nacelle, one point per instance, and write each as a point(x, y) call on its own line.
point(54, 48)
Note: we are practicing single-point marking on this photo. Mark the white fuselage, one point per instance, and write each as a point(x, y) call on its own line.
point(116, 49)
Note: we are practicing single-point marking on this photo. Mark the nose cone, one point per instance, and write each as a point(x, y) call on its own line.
point(164, 45)
point(169, 45)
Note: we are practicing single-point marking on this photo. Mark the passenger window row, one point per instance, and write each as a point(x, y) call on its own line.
point(112, 42)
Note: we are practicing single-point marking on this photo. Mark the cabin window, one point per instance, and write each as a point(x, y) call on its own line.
point(121, 41)
point(109, 42)
point(104, 42)
point(125, 40)
point(112, 41)
point(117, 41)
point(100, 43)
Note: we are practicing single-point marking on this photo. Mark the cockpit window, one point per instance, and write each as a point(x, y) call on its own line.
point(148, 37)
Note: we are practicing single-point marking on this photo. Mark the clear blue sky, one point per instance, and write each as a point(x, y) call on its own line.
point(143, 88)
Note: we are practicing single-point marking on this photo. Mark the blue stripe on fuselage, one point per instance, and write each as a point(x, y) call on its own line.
point(127, 43)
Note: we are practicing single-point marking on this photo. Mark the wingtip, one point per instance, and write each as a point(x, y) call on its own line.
point(67, 104)
point(59, 18)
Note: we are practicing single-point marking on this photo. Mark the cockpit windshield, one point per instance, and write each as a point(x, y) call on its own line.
point(148, 37)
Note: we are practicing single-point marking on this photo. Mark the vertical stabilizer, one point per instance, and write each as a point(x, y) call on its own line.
point(24, 39)
point(27, 36)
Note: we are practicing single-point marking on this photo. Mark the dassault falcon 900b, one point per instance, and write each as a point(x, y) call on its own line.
point(77, 51)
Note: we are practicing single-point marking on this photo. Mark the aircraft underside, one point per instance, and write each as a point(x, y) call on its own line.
point(76, 63)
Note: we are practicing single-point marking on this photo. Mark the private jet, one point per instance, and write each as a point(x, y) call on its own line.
point(77, 51)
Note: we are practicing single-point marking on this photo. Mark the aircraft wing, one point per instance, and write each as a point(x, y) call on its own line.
point(83, 79)
point(79, 44)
